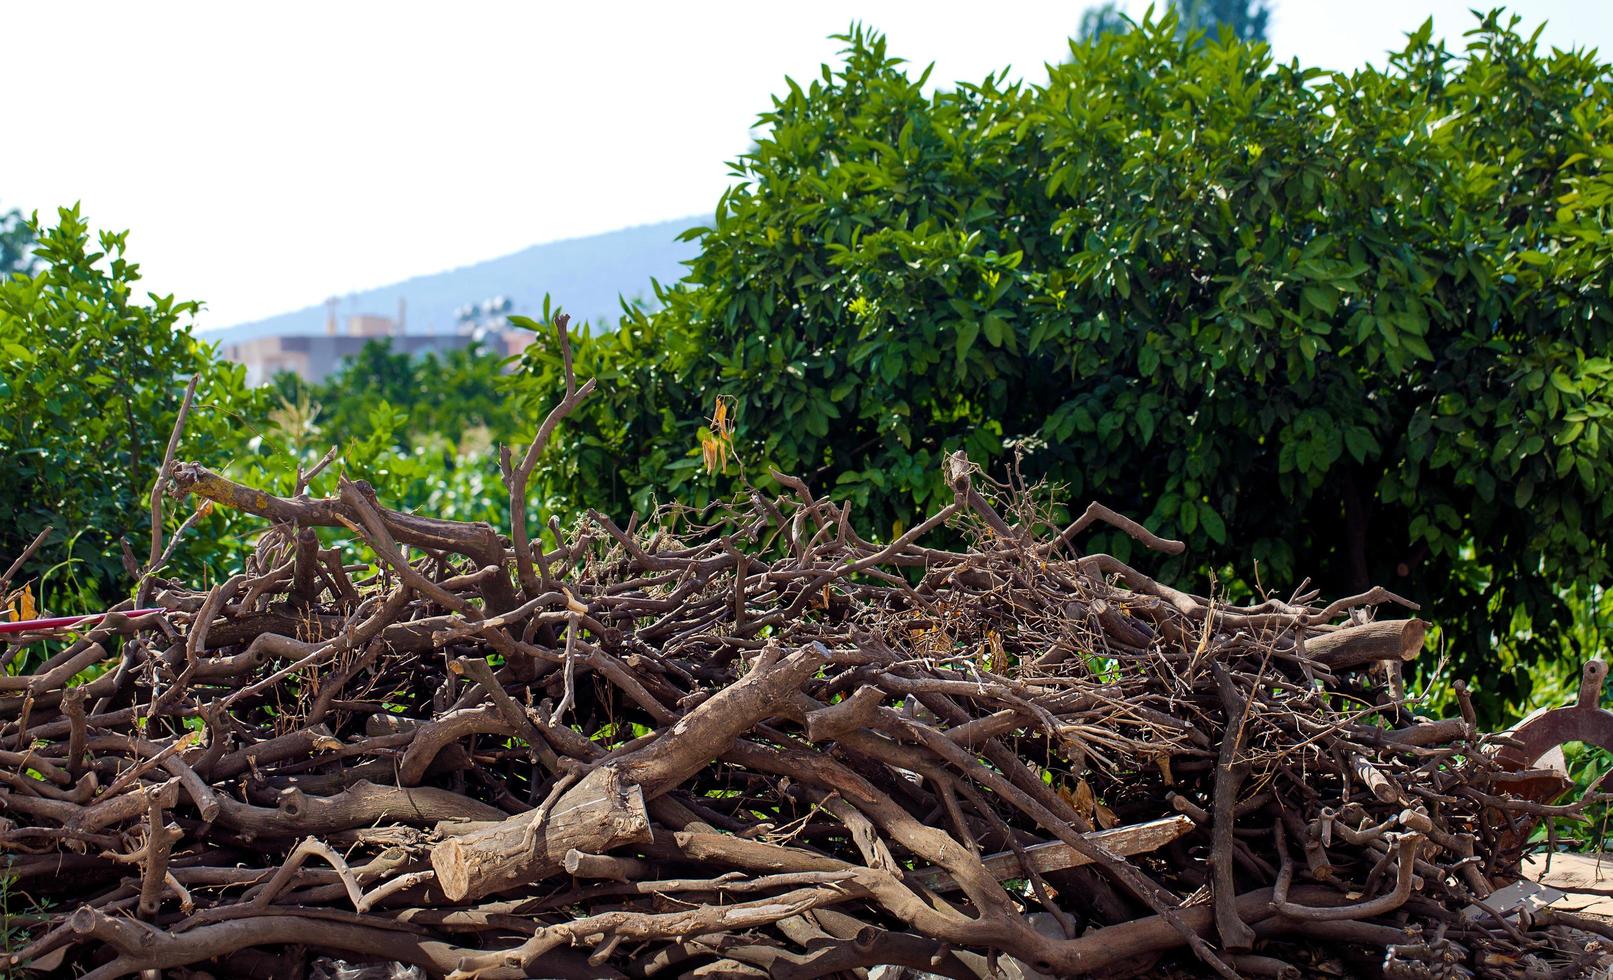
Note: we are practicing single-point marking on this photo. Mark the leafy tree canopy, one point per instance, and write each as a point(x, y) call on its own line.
point(1354, 326)
point(91, 377)
point(16, 241)
point(1246, 19)
point(1100, 19)
point(462, 395)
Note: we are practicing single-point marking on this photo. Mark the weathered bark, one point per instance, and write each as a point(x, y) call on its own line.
point(1352, 646)
point(474, 540)
point(1059, 856)
point(606, 809)
point(601, 812)
point(359, 806)
point(740, 742)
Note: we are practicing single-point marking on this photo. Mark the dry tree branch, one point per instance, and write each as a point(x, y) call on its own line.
point(739, 739)
point(517, 478)
point(154, 560)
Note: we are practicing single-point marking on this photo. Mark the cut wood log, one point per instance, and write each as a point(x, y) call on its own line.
point(601, 812)
point(711, 729)
point(1352, 646)
point(1373, 779)
point(606, 809)
point(746, 725)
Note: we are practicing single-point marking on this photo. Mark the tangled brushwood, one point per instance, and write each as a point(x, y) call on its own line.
point(746, 742)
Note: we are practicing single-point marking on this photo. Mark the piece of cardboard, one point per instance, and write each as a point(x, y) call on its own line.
point(1564, 873)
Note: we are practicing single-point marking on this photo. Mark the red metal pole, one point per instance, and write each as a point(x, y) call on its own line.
point(32, 625)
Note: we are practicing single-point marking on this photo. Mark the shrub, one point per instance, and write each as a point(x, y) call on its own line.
point(91, 377)
point(1347, 325)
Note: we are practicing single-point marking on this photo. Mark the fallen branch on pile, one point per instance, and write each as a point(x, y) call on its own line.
point(754, 746)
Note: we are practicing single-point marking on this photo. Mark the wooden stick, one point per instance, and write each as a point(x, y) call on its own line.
point(1053, 856)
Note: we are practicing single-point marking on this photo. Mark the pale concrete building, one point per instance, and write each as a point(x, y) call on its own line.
point(315, 356)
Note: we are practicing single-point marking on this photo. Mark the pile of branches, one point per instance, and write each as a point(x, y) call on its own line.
point(744, 742)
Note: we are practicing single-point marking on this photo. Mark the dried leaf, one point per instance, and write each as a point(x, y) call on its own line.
point(1106, 817)
point(708, 453)
point(1066, 796)
point(22, 606)
point(1081, 799)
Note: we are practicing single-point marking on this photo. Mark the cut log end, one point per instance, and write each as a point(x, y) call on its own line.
point(601, 812)
point(453, 869)
point(1355, 646)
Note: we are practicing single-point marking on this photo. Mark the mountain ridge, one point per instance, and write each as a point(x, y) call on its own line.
point(588, 276)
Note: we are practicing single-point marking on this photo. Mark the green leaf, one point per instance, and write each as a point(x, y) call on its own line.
point(18, 351)
point(1360, 443)
point(1417, 345)
point(967, 331)
point(1569, 434)
point(1524, 492)
point(995, 328)
point(1322, 298)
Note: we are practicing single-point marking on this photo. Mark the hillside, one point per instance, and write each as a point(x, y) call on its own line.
point(585, 275)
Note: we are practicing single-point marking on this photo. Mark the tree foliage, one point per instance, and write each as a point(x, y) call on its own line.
point(16, 243)
point(1203, 19)
point(1100, 19)
point(461, 394)
point(91, 377)
point(1246, 19)
point(1354, 326)
point(421, 430)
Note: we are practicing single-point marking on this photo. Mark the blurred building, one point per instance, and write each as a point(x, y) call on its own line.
point(488, 323)
point(313, 357)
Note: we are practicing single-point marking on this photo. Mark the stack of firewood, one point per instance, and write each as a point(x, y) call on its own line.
point(744, 742)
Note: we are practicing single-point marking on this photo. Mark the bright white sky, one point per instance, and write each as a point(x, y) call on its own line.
point(266, 156)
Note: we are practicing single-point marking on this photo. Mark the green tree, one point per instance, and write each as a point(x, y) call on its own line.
point(1352, 326)
point(422, 430)
point(1246, 19)
point(16, 242)
point(1101, 19)
point(462, 393)
point(91, 377)
point(377, 374)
